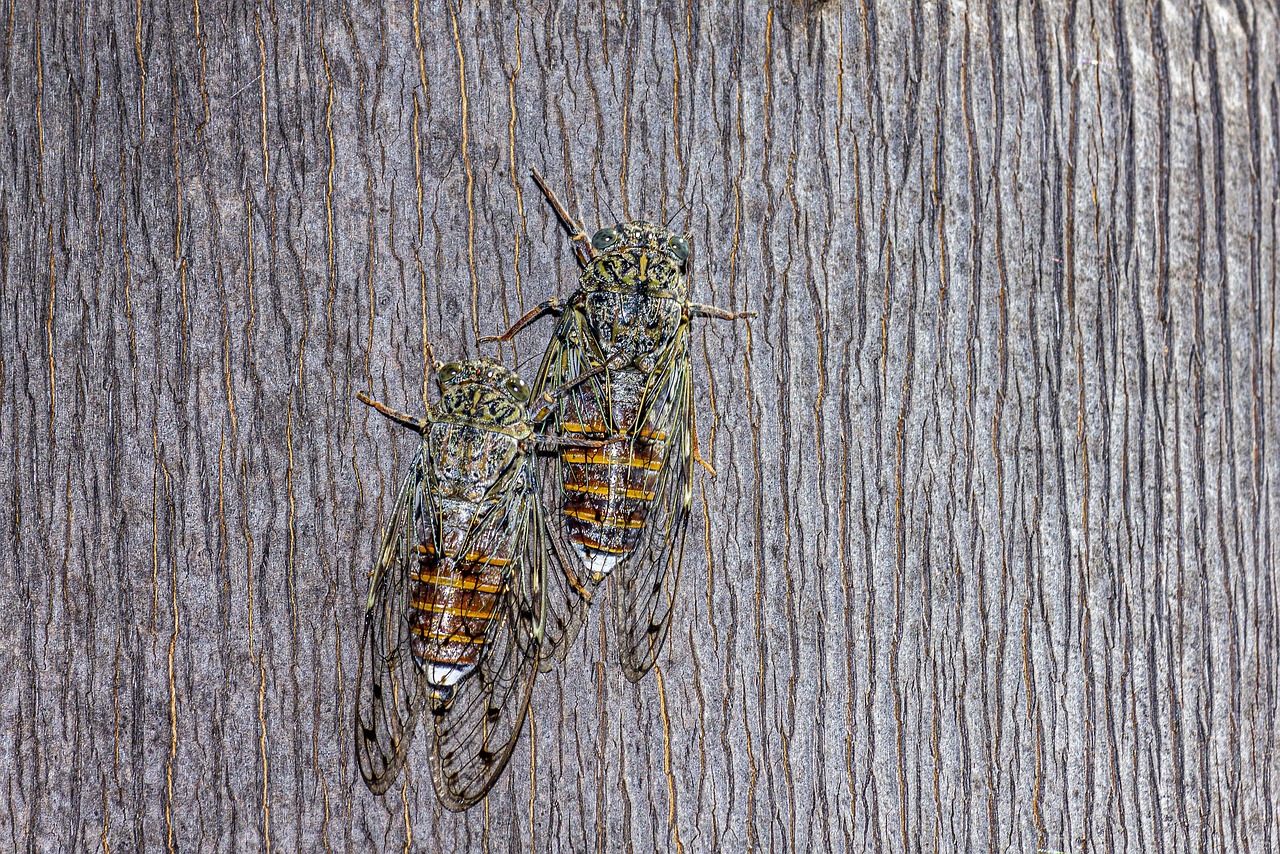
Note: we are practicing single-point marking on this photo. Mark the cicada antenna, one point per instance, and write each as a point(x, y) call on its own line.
point(672, 218)
point(612, 213)
point(520, 366)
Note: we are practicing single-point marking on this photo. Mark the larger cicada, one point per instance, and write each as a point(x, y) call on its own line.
point(623, 508)
point(454, 619)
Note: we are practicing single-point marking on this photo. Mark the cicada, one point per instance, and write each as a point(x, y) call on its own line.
point(454, 619)
point(623, 508)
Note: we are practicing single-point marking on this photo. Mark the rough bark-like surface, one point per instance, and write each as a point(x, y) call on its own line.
point(990, 562)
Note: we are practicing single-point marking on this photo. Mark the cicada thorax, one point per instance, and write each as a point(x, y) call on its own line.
point(460, 580)
point(630, 315)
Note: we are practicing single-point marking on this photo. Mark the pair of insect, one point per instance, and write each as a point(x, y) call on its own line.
point(465, 604)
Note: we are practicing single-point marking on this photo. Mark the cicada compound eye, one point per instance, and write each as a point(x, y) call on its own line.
point(679, 248)
point(448, 372)
point(605, 238)
point(518, 389)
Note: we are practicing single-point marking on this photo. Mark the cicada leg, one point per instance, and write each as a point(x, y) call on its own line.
point(567, 442)
point(553, 305)
point(577, 234)
point(432, 368)
point(551, 399)
point(566, 566)
point(418, 425)
point(695, 309)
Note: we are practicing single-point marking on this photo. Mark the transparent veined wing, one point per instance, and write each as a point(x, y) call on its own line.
point(644, 586)
point(390, 687)
point(477, 726)
point(568, 589)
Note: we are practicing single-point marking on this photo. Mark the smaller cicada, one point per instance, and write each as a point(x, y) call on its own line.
point(623, 508)
point(454, 619)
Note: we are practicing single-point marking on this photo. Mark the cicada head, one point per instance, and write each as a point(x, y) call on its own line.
point(483, 390)
point(642, 258)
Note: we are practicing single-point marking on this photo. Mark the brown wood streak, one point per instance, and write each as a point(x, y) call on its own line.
point(463, 125)
point(989, 562)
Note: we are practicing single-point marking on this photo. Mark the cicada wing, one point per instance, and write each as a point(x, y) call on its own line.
point(567, 595)
point(645, 584)
point(477, 727)
point(568, 588)
point(390, 689)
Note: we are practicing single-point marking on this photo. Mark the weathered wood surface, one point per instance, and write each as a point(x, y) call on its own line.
point(990, 560)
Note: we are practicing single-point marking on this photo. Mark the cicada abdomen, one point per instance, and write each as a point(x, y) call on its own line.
point(609, 494)
point(623, 508)
point(454, 617)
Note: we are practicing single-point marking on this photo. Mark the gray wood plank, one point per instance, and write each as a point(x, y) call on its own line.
point(988, 563)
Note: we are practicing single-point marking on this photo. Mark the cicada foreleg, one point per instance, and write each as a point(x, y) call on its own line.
point(550, 400)
point(418, 425)
point(553, 305)
point(693, 438)
point(433, 367)
point(577, 233)
point(695, 309)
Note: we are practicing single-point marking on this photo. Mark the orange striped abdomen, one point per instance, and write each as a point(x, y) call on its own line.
point(451, 610)
point(608, 493)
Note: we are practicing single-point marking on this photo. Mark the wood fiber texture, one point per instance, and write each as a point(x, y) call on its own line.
point(990, 560)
